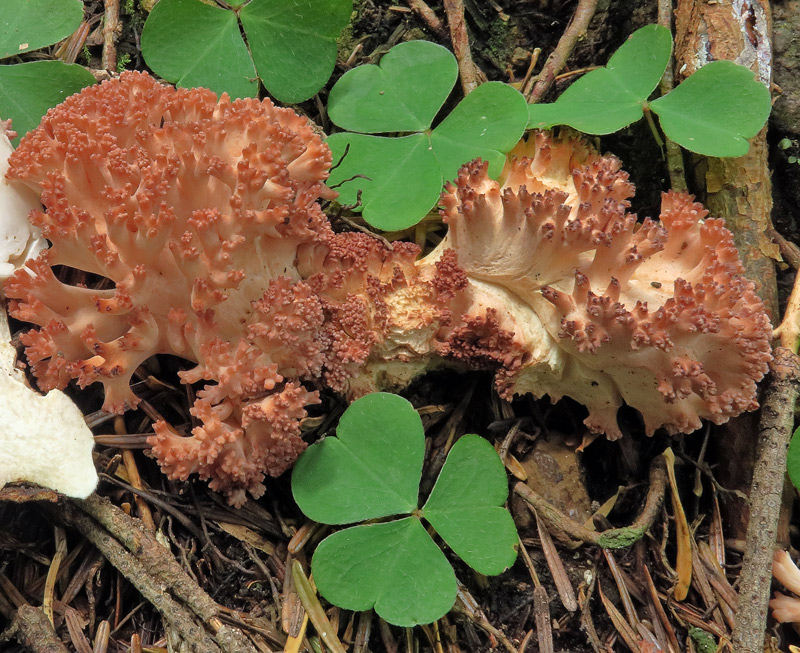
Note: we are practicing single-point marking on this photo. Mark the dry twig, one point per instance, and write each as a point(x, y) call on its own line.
point(471, 75)
point(775, 430)
point(558, 57)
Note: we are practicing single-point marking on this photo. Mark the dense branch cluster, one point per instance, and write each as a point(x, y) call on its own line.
point(201, 217)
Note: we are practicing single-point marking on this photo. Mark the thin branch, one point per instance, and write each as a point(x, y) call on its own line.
point(558, 58)
point(471, 75)
point(775, 430)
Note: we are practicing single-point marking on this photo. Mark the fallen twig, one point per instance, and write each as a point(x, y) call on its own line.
point(613, 538)
point(775, 430)
point(471, 75)
point(558, 57)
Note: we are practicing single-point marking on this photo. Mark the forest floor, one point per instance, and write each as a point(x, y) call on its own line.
point(111, 585)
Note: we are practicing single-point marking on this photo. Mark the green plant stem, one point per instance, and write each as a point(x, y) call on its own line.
point(677, 173)
point(316, 614)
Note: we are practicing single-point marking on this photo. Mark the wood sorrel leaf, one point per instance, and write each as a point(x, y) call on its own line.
point(715, 110)
point(291, 45)
point(372, 469)
point(34, 24)
point(466, 507)
point(610, 98)
point(401, 179)
point(404, 178)
point(28, 90)
point(394, 567)
point(404, 93)
point(190, 43)
point(793, 459)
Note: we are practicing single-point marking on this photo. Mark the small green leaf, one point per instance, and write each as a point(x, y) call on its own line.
point(293, 43)
point(486, 124)
point(403, 93)
point(715, 110)
point(32, 24)
point(793, 459)
point(404, 177)
point(394, 567)
point(466, 507)
point(372, 469)
point(190, 43)
point(28, 90)
point(608, 99)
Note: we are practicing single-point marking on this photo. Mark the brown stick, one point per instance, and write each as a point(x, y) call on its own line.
point(558, 57)
point(429, 17)
point(613, 538)
point(35, 632)
point(111, 30)
point(775, 430)
point(471, 75)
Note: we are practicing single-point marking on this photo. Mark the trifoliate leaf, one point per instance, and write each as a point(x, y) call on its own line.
point(28, 90)
point(190, 43)
point(404, 93)
point(372, 469)
point(610, 98)
point(32, 24)
point(466, 507)
point(401, 179)
point(292, 43)
point(715, 110)
point(394, 567)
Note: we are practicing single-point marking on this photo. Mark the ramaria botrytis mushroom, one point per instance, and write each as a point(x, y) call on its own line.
point(203, 216)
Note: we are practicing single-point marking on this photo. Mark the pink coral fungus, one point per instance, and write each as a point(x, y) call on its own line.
point(201, 216)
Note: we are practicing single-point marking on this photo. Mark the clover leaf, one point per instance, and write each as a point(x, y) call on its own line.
point(398, 180)
point(371, 471)
point(291, 45)
point(793, 459)
point(34, 24)
point(607, 99)
point(713, 112)
point(28, 90)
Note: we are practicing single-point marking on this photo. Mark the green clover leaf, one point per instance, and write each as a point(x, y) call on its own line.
point(713, 112)
point(607, 99)
point(400, 179)
point(371, 471)
point(34, 24)
point(291, 45)
point(28, 90)
point(793, 459)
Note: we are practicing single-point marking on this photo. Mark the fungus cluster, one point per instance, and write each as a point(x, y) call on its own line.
point(187, 225)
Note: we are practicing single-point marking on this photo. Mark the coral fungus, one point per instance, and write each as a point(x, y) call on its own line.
point(201, 216)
